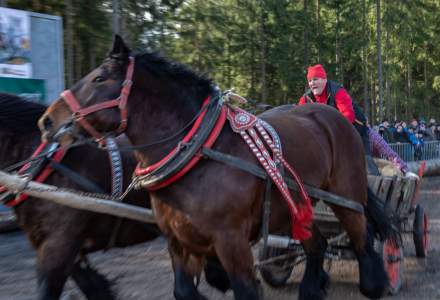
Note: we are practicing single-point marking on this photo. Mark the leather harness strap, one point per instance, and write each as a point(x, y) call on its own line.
point(257, 171)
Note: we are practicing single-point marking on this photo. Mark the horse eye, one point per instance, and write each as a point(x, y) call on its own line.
point(98, 79)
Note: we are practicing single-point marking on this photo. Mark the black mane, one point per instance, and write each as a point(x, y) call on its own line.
point(19, 115)
point(162, 67)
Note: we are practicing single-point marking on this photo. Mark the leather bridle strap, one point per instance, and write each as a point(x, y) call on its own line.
point(80, 113)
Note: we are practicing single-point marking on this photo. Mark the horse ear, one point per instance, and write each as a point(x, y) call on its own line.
point(119, 49)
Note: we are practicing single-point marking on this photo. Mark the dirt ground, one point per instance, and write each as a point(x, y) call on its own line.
point(144, 271)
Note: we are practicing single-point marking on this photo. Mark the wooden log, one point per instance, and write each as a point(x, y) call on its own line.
point(432, 167)
point(48, 192)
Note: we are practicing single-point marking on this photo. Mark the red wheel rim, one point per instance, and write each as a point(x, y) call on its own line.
point(392, 258)
point(425, 234)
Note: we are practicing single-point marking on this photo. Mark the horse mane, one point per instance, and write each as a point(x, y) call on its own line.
point(161, 67)
point(18, 115)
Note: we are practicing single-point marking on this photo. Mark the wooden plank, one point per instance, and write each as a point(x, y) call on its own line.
point(408, 191)
point(374, 183)
point(384, 188)
point(392, 202)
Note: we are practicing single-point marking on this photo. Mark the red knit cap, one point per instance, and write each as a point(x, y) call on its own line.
point(316, 71)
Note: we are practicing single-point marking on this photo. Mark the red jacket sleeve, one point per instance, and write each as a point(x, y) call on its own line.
point(345, 104)
point(302, 101)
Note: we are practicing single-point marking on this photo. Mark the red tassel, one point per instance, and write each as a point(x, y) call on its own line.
point(302, 224)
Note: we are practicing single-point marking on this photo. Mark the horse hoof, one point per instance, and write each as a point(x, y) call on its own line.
point(311, 295)
point(373, 280)
point(313, 292)
point(325, 282)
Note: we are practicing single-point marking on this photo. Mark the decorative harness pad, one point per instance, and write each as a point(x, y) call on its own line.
point(247, 125)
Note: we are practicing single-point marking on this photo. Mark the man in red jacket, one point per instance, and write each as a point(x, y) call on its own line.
point(332, 93)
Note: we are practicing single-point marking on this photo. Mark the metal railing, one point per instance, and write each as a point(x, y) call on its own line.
point(408, 152)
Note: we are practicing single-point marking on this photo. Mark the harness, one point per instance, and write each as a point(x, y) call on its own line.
point(41, 167)
point(120, 102)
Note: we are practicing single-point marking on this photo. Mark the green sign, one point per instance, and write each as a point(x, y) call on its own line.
point(30, 89)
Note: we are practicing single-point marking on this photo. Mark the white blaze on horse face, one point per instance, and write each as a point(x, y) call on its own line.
point(317, 85)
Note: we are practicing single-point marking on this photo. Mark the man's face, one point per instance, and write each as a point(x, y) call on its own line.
point(399, 129)
point(317, 85)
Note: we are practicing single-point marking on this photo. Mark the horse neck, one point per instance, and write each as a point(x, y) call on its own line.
point(15, 147)
point(157, 118)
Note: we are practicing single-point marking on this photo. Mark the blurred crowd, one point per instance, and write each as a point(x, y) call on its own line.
point(416, 132)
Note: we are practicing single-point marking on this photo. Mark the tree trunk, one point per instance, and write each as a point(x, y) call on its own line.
point(387, 77)
point(116, 25)
point(339, 74)
point(263, 48)
point(408, 88)
point(318, 30)
point(78, 60)
point(379, 57)
point(69, 43)
point(306, 35)
point(365, 61)
point(426, 102)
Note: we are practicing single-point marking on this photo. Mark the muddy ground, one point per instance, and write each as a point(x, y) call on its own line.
point(144, 271)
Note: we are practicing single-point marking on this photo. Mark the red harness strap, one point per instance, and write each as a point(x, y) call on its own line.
point(44, 174)
point(207, 144)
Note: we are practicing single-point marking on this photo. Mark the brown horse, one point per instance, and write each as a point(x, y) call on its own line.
point(216, 209)
point(62, 235)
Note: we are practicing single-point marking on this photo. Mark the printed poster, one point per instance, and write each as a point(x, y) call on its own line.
point(15, 43)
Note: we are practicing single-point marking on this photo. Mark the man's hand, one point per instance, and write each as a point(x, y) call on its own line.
point(412, 175)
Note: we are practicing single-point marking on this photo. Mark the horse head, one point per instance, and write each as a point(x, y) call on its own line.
point(95, 104)
point(117, 92)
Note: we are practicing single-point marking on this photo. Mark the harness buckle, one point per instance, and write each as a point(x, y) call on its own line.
point(127, 82)
point(77, 116)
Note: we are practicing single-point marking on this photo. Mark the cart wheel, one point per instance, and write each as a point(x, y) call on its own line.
point(277, 273)
point(392, 255)
point(421, 232)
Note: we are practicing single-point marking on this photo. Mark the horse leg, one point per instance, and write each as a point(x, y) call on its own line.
point(216, 275)
point(186, 268)
point(55, 259)
point(235, 254)
point(93, 284)
point(315, 280)
point(373, 280)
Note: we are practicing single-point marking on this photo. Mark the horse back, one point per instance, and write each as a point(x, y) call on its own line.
point(319, 143)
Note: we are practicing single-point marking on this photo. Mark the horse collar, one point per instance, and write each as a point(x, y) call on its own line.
point(181, 159)
point(80, 113)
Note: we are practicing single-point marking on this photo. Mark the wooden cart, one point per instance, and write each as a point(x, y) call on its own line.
point(399, 195)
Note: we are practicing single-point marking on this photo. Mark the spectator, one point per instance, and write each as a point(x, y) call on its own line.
point(400, 135)
point(425, 133)
point(437, 132)
point(386, 132)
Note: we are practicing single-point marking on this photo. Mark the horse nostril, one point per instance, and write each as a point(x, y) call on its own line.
point(47, 123)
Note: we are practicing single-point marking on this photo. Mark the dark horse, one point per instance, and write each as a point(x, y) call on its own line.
point(216, 209)
point(62, 235)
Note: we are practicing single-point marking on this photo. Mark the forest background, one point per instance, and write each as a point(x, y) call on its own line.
point(386, 53)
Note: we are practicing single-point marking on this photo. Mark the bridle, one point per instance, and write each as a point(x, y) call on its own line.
point(80, 113)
